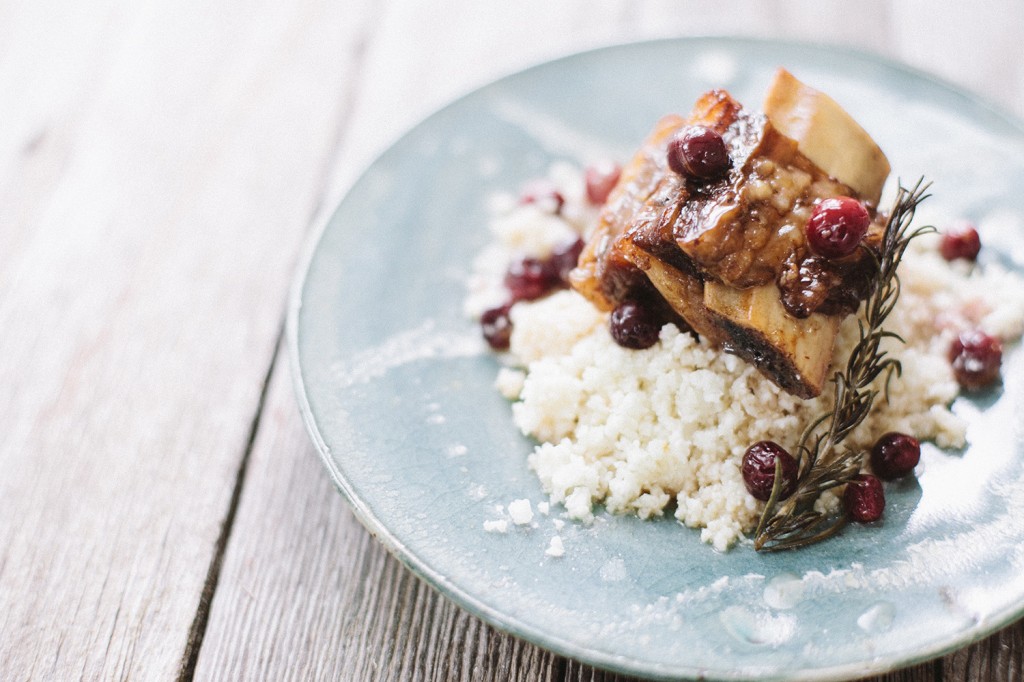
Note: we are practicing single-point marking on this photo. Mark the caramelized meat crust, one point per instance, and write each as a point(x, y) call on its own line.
point(744, 231)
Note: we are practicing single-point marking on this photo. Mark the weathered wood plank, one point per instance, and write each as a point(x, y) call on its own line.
point(142, 144)
point(925, 672)
point(160, 163)
point(999, 658)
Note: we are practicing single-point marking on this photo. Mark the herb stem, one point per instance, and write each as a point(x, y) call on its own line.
point(794, 522)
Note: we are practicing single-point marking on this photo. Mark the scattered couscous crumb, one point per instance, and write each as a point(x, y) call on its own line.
point(555, 548)
point(577, 503)
point(543, 508)
point(520, 511)
point(496, 526)
point(509, 382)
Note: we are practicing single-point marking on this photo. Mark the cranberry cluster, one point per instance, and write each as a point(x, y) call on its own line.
point(894, 456)
point(835, 229)
point(975, 356)
point(530, 278)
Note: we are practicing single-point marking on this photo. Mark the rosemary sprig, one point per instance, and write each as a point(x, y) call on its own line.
point(823, 464)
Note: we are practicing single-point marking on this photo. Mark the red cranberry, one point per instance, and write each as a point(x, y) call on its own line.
point(544, 194)
point(759, 470)
point(497, 327)
point(699, 153)
point(960, 241)
point(565, 257)
point(864, 498)
point(895, 455)
point(634, 325)
point(530, 278)
point(600, 179)
point(837, 226)
point(976, 357)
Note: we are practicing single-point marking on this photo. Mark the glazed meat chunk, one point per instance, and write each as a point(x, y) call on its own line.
point(729, 254)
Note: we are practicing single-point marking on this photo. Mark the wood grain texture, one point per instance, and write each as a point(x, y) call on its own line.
point(305, 593)
point(161, 162)
point(159, 165)
point(999, 658)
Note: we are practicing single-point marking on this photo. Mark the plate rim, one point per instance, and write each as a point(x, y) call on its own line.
point(466, 600)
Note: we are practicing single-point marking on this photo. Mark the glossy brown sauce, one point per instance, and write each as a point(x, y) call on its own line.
point(745, 229)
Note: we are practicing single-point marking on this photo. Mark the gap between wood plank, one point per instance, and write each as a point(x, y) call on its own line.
point(198, 627)
point(197, 631)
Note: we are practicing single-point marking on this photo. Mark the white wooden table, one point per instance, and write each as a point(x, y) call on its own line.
point(162, 511)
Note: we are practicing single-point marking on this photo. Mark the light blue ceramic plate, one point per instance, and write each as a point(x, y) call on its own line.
point(396, 390)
